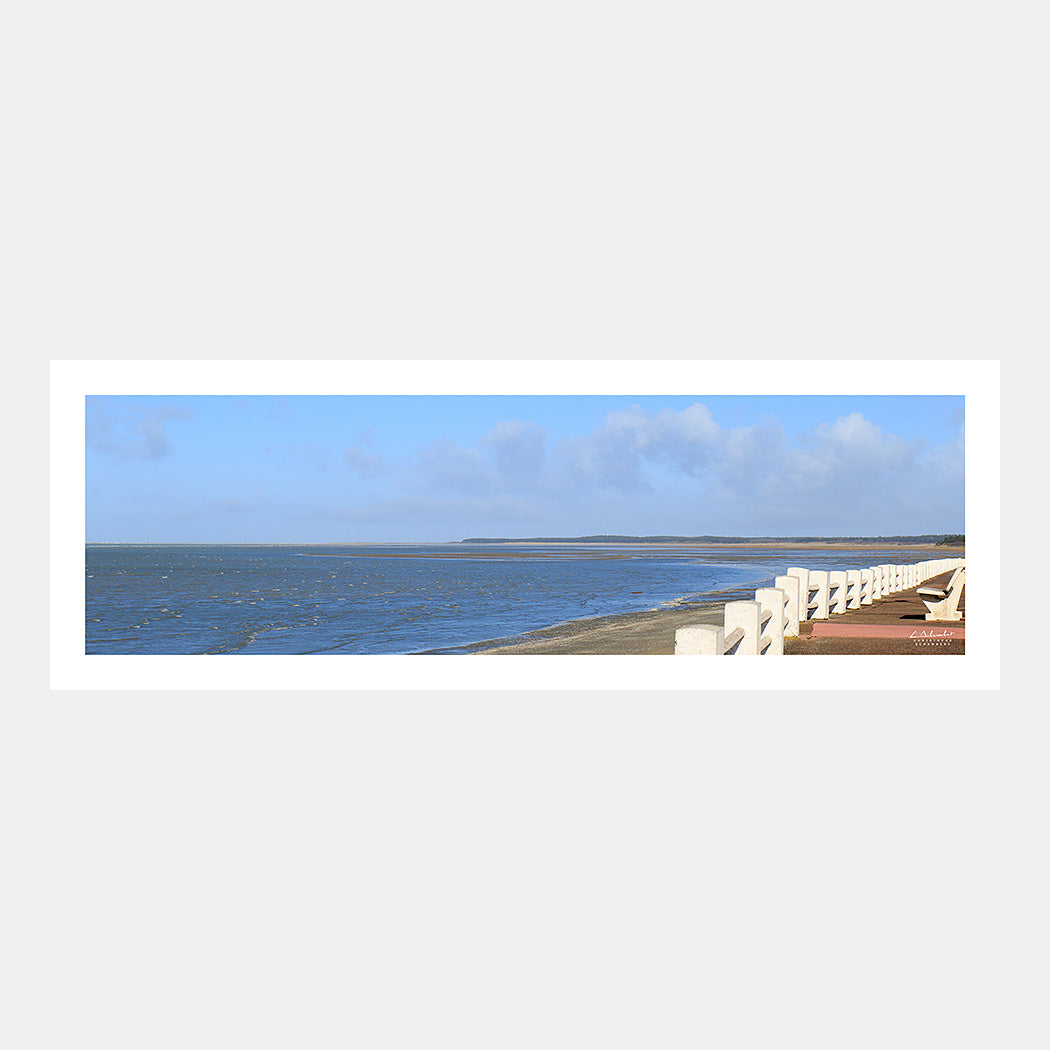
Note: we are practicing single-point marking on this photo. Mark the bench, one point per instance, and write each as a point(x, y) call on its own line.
point(944, 604)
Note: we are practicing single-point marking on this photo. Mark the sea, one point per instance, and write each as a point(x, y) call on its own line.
point(438, 599)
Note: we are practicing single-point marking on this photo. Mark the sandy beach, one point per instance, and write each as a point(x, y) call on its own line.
point(649, 633)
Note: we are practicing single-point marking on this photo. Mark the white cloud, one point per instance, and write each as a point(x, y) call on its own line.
point(614, 455)
point(519, 448)
point(446, 464)
point(681, 472)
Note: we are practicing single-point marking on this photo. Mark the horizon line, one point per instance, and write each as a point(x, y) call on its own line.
point(593, 537)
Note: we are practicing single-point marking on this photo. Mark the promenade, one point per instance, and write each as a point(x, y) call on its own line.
point(893, 626)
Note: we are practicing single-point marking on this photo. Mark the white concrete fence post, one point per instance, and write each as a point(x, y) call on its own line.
point(743, 626)
point(818, 602)
point(790, 586)
point(837, 592)
point(853, 583)
point(804, 589)
point(702, 640)
point(867, 586)
point(771, 640)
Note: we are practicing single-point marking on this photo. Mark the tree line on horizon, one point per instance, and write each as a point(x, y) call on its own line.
point(938, 538)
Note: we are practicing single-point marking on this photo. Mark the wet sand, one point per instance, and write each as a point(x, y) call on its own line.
point(648, 633)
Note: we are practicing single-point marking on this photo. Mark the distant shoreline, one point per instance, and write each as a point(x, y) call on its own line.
point(334, 546)
point(499, 548)
point(898, 540)
point(754, 544)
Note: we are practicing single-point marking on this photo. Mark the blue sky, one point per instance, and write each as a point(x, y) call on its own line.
point(299, 469)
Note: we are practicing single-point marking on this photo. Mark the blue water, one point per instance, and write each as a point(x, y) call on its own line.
point(264, 599)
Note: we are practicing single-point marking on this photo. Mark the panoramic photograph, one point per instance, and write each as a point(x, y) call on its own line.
point(462, 525)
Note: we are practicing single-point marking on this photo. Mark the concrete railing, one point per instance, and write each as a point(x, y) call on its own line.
point(759, 627)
